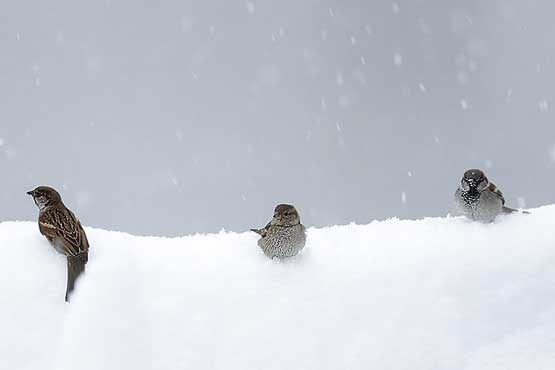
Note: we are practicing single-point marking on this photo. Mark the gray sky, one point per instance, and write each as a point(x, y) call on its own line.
point(175, 117)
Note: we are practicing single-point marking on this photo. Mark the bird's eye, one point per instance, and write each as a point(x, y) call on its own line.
point(464, 185)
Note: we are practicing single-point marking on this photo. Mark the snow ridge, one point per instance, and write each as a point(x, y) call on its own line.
point(436, 293)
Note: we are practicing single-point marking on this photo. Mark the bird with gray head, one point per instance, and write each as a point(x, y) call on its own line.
point(64, 232)
point(284, 236)
point(479, 199)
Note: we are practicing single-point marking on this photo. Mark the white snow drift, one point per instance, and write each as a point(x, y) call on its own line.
point(440, 293)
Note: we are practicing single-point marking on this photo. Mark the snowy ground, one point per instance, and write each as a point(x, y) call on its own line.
point(440, 293)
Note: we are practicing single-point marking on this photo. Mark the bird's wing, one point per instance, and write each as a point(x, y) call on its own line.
point(495, 190)
point(84, 240)
point(264, 231)
point(62, 227)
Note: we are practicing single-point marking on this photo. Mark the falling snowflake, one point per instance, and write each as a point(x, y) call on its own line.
point(359, 76)
point(10, 152)
point(339, 78)
point(179, 135)
point(186, 24)
point(509, 95)
point(395, 7)
point(397, 59)
point(368, 29)
point(462, 78)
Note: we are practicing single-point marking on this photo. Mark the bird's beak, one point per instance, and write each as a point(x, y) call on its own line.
point(31, 192)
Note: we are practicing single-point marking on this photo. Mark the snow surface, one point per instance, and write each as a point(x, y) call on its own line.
point(437, 293)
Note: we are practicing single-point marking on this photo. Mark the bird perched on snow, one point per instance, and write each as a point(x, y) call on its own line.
point(479, 199)
point(64, 232)
point(284, 236)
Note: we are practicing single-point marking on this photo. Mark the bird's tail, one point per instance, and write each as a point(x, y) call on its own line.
point(75, 267)
point(511, 210)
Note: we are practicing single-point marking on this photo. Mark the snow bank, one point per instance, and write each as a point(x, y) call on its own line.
point(440, 293)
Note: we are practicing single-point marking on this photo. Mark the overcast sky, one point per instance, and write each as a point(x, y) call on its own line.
point(176, 117)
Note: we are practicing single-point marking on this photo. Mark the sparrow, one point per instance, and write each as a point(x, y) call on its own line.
point(479, 199)
point(284, 236)
point(64, 232)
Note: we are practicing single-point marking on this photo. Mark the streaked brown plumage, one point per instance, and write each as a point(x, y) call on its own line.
point(64, 232)
point(284, 236)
